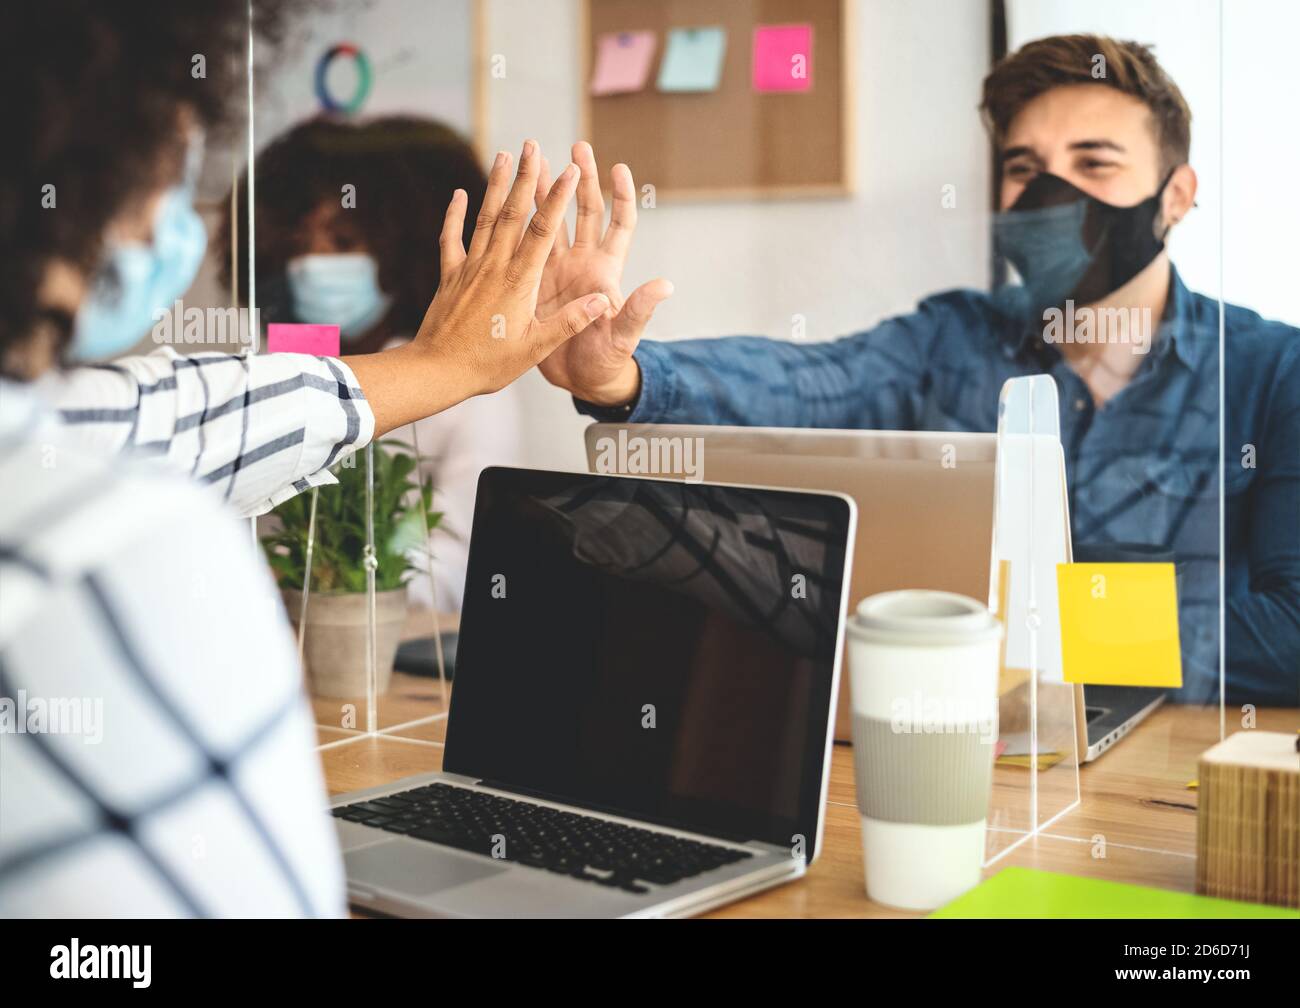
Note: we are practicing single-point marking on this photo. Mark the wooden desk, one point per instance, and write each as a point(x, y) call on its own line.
point(1135, 809)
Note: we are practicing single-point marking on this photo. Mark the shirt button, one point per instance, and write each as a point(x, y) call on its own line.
point(1079, 405)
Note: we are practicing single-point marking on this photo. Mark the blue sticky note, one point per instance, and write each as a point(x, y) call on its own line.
point(693, 59)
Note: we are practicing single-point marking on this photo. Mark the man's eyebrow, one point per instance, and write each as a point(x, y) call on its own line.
point(1097, 145)
point(1022, 151)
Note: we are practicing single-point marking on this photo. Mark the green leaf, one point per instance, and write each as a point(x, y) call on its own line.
point(403, 503)
point(408, 534)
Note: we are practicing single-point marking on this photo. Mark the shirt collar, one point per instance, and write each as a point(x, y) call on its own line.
point(1176, 331)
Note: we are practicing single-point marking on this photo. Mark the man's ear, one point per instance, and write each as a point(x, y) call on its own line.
point(1179, 196)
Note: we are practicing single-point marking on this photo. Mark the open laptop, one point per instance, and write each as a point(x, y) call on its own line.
point(924, 499)
point(1105, 714)
point(641, 718)
point(925, 516)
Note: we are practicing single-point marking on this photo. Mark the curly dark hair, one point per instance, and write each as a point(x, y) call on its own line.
point(404, 170)
point(94, 92)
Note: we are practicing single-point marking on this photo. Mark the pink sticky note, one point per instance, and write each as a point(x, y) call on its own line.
point(289, 337)
point(783, 57)
point(622, 62)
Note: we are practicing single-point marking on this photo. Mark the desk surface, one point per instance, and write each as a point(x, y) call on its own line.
point(1136, 820)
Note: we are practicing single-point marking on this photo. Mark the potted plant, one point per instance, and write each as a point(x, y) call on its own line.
point(334, 645)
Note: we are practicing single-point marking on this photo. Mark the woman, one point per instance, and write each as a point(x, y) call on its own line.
point(348, 217)
point(155, 762)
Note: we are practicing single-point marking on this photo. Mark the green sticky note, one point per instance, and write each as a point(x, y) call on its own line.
point(693, 59)
point(1028, 892)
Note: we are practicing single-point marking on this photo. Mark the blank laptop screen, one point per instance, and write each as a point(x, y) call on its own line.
point(662, 650)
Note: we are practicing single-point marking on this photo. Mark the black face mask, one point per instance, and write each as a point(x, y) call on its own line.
point(1069, 246)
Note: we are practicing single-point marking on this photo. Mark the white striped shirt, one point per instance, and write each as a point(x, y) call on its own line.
point(156, 748)
point(259, 429)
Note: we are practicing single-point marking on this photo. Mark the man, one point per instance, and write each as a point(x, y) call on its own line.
point(1094, 176)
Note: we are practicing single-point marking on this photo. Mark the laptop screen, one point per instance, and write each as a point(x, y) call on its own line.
point(660, 650)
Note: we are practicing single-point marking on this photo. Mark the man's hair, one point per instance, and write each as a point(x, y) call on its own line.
point(1129, 67)
point(93, 94)
point(403, 170)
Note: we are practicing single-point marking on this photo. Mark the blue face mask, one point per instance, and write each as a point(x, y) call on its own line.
point(1067, 245)
point(337, 289)
point(137, 281)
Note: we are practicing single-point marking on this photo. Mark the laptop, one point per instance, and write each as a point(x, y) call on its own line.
point(925, 516)
point(1109, 713)
point(641, 719)
point(905, 484)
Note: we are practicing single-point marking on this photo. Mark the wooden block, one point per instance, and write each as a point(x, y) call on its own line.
point(1248, 821)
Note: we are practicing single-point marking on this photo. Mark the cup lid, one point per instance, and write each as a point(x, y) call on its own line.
point(922, 616)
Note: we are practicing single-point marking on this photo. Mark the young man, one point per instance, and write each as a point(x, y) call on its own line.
point(1094, 176)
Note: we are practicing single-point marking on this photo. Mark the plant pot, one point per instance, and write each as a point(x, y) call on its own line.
point(334, 648)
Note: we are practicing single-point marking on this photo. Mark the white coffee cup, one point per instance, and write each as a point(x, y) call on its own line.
point(924, 677)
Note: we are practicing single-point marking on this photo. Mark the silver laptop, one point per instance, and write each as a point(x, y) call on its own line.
point(925, 516)
point(924, 498)
point(641, 718)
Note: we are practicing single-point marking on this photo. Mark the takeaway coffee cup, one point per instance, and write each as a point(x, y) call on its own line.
point(924, 676)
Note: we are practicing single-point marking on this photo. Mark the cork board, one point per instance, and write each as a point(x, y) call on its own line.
point(732, 142)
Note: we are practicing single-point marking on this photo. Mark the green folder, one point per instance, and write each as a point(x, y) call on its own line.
point(1028, 892)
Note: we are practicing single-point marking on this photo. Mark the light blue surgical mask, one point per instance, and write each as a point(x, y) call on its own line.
point(137, 281)
point(339, 289)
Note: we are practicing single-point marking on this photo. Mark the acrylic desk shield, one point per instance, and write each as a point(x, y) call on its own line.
point(385, 506)
point(345, 555)
point(1036, 776)
point(355, 63)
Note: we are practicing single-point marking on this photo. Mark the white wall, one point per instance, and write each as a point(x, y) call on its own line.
point(420, 53)
point(1261, 152)
point(746, 267)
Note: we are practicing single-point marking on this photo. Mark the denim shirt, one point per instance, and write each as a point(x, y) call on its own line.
point(1143, 468)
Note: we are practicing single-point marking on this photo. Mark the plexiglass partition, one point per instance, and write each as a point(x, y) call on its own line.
point(345, 555)
point(1143, 447)
point(1036, 778)
point(362, 126)
point(374, 110)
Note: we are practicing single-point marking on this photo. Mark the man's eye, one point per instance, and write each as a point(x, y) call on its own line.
point(1019, 171)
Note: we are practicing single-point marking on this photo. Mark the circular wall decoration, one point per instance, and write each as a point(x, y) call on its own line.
point(362, 64)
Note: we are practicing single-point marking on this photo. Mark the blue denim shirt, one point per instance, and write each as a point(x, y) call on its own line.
point(1143, 468)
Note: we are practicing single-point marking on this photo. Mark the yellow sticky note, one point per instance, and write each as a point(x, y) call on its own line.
point(1045, 761)
point(1119, 624)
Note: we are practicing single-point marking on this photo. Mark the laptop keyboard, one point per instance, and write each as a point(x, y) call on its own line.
point(583, 847)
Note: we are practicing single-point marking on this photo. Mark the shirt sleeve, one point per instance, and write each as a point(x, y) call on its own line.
point(872, 379)
point(1262, 617)
point(258, 428)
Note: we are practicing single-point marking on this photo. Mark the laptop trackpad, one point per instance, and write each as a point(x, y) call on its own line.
point(420, 869)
